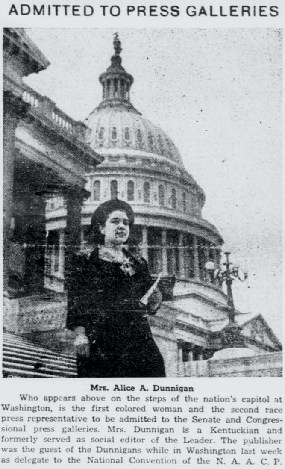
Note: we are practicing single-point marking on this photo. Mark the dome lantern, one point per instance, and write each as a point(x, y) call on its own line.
point(116, 81)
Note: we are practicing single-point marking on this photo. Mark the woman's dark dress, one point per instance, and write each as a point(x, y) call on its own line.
point(105, 300)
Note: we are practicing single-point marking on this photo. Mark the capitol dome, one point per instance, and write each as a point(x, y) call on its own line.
point(120, 126)
point(116, 124)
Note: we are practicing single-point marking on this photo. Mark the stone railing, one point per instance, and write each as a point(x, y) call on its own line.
point(265, 364)
point(47, 109)
point(34, 313)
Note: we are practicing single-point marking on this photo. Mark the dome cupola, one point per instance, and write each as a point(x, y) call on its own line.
point(116, 81)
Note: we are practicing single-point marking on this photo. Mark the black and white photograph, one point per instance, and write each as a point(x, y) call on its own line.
point(142, 179)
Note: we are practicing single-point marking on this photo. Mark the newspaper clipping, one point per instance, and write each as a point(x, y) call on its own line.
point(142, 234)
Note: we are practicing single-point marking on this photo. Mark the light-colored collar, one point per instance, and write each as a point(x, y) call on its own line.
point(111, 255)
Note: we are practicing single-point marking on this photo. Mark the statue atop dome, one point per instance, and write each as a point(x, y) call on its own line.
point(116, 59)
point(117, 44)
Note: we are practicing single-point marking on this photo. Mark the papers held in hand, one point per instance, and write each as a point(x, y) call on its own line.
point(145, 298)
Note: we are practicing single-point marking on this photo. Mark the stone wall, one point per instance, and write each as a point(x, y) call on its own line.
point(267, 364)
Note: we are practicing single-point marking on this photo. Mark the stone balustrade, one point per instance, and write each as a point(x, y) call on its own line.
point(47, 109)
point(265, 364)
point(28, 314)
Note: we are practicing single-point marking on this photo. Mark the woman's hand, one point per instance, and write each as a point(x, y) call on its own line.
point(81, 342)
point(155, 300)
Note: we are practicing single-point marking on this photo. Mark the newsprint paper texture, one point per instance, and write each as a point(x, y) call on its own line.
point(172, 110)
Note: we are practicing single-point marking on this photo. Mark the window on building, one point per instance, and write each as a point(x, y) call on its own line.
point(56, 258)
point(131, 190)
point(101, 133)
point(161, 196)
point(173, 253)
point(173, 199)
point(114, 189)
point(139, 136)
point(96, 190)
point(160, 143)
point(52, 261)
point(114, 133)
point(116, 87)
point(150, 141)
point(184, 202)
point(155, 250)
point(146, 192)
point(127, 133)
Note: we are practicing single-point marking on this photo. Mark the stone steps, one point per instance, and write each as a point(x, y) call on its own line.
point(24, 359)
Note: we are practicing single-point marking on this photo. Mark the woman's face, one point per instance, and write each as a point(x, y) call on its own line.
point(116, 229)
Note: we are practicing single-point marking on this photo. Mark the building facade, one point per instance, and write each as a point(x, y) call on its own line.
point(144, 167)
point(45, 154)
point(63, 170)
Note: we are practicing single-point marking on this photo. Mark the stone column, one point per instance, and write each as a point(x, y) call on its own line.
point(35, 239)
point(123, 88)
point(216, 264)
point(112, 89)
point(119, 88)
point(201, 354)
point(13, 110)
point(207, 252)
point(180, 363)
point(61, 252)
point(215, 256)
point(74, 199)
point(164, 252)
point(196, 259)
point(218, 257)
point(181, 253)
point(207, 276)
point(144, 243)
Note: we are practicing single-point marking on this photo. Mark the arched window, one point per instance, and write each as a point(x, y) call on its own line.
point(101, 133)
point(114, 189)
point(173, 199)
point(146, 192)
point(184, 204)
point(150, 141)
point(96, 190)
point(139, 136)
point(160, 143)
point(161, 194)
point(131, 190)
point(127, 133)
point(114, 133)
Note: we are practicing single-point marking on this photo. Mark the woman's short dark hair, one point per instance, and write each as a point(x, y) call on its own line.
point(101, 214)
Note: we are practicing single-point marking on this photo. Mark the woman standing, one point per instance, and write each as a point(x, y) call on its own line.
point(113, 337)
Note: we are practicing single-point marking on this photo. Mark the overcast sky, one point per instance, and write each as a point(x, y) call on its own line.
point(217, 94)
